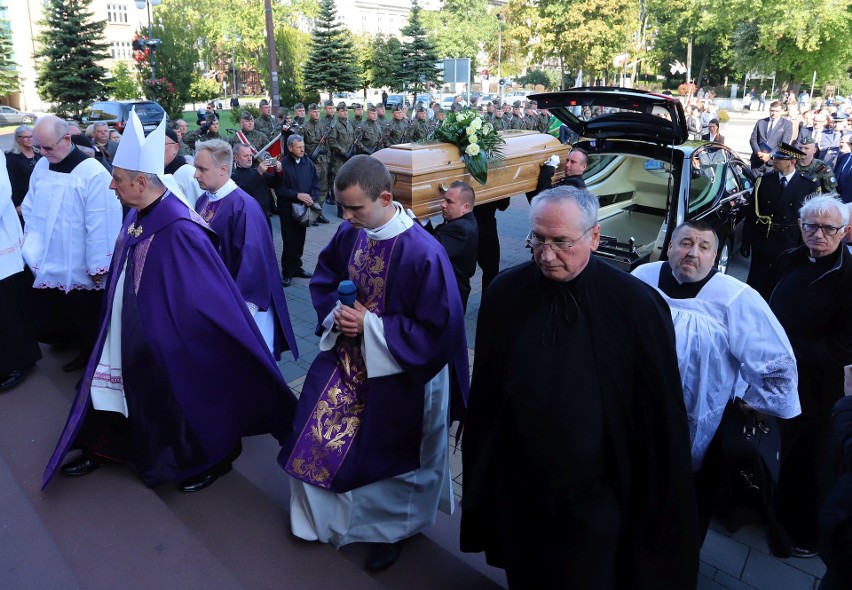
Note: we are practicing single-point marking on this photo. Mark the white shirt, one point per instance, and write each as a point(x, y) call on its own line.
point(11, 234)
point(729, 344)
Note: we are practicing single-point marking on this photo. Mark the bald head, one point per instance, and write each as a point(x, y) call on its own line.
point(51, 136)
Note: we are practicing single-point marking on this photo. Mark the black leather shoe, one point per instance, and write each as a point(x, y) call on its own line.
point(76, 363)
point(203, 480)
point(803, 553)
point(323, 219)
point(302, 274)
point(83, 466)
point(12, 378)
point(383, 555)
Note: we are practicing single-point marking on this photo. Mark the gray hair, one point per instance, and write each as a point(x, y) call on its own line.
point(54, 125)
point(238, 147)
point(586, 201)
point(294, 138)
point(824, 204)
point(99, 124)
point(18, 130)
point(220, 152)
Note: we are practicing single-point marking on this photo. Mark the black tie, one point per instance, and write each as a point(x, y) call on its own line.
point(783, 182)
point(769, 129)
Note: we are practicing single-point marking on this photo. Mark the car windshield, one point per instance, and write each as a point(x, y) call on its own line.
point(147, 110)
point(104, 112)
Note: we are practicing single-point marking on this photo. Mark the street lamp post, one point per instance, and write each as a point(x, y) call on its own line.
point(499, 54)
point(141, 4)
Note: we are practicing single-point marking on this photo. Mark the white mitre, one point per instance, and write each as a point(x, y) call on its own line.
point(140, 153)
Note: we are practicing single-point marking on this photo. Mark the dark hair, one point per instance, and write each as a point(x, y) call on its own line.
point(697, 225)
point(367, 173)
point(713, 122)
point(580, 150)
point(466, 192)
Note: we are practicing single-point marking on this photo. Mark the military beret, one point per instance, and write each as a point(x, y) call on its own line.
point(170, 133)
point(313, 107)
point(357, 105)
point(516, 104)
point(246, 116)
point(371, 108)
point(328, 103)
point(298, 105)
point(806, 140)
point(533, 103)
point(439, 111)
point(264, 102)
point(210, 117)
point(341, 106)
point(396, 108)
point(421, 109)
point(380, 106)
point(785, 151)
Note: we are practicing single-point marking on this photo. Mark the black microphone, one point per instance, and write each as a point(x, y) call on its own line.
point(346, 293)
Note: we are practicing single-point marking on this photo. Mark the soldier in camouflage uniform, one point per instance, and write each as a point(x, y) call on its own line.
point(340, 139)
point(297, 124)
point(499, 121)
point(814, 168)
point(517, 120)
point(314, 134)
point(380, 115)
point(358, 115)
point(543, 121)
point(419, 128)
point(256, 139)
point(531, 116)
point(265, 123)
point(209, 130)
point(507, 115)
point(372, 133)
point(397, 127)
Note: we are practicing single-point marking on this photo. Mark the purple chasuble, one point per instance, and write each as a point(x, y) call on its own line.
point(248, 252)
point(350, 429)
point(333, 425)
point(197, 374)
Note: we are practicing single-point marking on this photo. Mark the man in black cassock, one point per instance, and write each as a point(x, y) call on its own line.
point(576, 446)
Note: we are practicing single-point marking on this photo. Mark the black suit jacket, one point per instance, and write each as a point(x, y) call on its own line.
point(782, 131)
point(843, 174)
point(460, 238)
point(783, 207)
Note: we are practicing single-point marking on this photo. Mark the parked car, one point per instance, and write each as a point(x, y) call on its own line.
point(395, 99)
point(116, 113)
point(349, 98)
point(447, 101)
point(646, 174)
point(12, 116)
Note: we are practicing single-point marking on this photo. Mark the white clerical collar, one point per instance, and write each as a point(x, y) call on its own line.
point(225, 190)
point(397, 224)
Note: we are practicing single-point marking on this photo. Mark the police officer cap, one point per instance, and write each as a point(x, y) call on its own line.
point(313, 107)
point(328, 103)
point(341, 106)
point(785, 151)
point(838, 117)
point(516, 104)
point(264, 102)
point(357, 105)
point(246, 116)
point(298, 105)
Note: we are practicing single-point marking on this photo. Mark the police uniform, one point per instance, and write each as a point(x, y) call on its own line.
point(771, 225)
point(340, 139)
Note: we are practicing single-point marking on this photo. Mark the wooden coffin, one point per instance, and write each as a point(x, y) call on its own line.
point(420, 169)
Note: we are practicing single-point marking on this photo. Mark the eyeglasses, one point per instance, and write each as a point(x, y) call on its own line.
point(827, 230)
point(49, 149)
point(536, 244)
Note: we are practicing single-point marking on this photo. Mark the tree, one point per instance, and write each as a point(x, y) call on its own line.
point(9, 80)
point(383, 66)
point(461, 28)
point(331, 62)
point(418, 54)
point(122, 85)
point(203, 89)
point(71, 45)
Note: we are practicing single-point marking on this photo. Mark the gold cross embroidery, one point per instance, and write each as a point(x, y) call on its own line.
point(134, 230)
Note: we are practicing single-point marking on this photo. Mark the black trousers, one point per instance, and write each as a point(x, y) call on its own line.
point(488, 254)
point(293, 236)
point(69, 318)
point(18, 346)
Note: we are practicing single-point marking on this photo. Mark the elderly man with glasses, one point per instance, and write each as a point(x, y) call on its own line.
point(575, 383)
point(810, 290)
point(72, 219)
